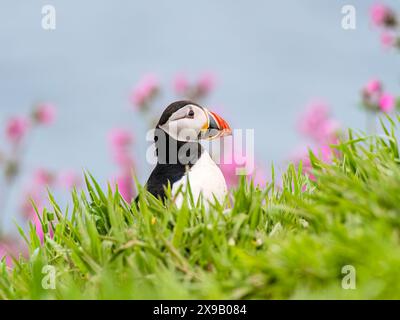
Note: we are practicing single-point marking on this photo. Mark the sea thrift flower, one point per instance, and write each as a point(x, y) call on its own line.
point(69, 179)
point(373, 86)
point(180, 84)
point(45, 114)
point(315, 114)
point(43, 177)
point(388, 40)
point(317, 124)
point(4, 252)
point(229, 172)
point(145, 90)
point(323, 152)
point(120, 138)
point(38, 225)
point(258, 177)
point(328, 131)
point(302, 155)
point(120, 141)
point(382, 15)
point(371, 94)
point(387, 102)
point(233, 166)
point(16, 128)
point(206, 83)
point(125, 186)
point(31, 195)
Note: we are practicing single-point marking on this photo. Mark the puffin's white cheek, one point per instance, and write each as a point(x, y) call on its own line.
point(187, 130)
point(171, 128)
point(182, 130)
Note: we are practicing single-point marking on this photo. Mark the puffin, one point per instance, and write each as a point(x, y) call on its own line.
point(181, 159)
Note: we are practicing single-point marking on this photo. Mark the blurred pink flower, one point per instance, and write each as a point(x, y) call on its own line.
point(39, 230)
point(180, 84)
point(387, 102)
point(138, 97)
point(234, 166)
point(34, 195)
point(323, 152)
point(373, 86)
point(69, 179)
point(16, 128)
point(317, 124)
point(120, 141)
point(125, 185)
point(229, 172)
point(388, 39)
point(259, 177)
point(43, 177)
point(123, 158)
point(45, 113)
point(206, 82)
point(5, 252)
point(379, 13)
point(146, 88)
point(10, 247)
point(119, 138)
point(328, 131)
point(316, 113)
point(302, 155)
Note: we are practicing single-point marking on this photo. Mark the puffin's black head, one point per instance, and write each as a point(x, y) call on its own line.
point(187, 121)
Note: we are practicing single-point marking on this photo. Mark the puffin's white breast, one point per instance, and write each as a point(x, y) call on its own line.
point(205, 178)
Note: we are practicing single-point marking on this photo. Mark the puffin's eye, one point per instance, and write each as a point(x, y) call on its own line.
point(191, 114)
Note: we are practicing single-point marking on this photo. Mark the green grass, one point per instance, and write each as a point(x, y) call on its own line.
point(280, 242)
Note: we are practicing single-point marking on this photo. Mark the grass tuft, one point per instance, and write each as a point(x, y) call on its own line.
point(271, 243)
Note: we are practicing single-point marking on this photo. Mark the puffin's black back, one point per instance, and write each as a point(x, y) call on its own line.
point(164, 171)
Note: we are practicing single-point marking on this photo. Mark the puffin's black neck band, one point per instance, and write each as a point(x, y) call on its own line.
point(173, 152)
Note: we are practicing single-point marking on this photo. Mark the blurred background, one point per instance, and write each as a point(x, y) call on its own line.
point(262, 63)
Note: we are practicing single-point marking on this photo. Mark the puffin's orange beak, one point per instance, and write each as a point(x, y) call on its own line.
point(215, 126)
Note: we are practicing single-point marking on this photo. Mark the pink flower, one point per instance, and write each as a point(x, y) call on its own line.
point(5, 252)
point(138, 97)
point(181, 84)
point(16, 128)
point(146, 88)
point(317, 124)
point(234, 165)
point(301, 154)
point(323, 152)
point(39, 230)
point(259, 177)
point(388, 39)
point(69, 179)
point(120, 141)
point(45, 113)
point(149, 84)
point(33, 194)
point(10, 247)
point(328, 131)
point(125, 186)
point(379, 13)
point(316, 113)
point(29, 211)
point(120, 138)
point(229, 172)
point(43, 177)
point(206, 82)
point(387, 102)
point(373, 86)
